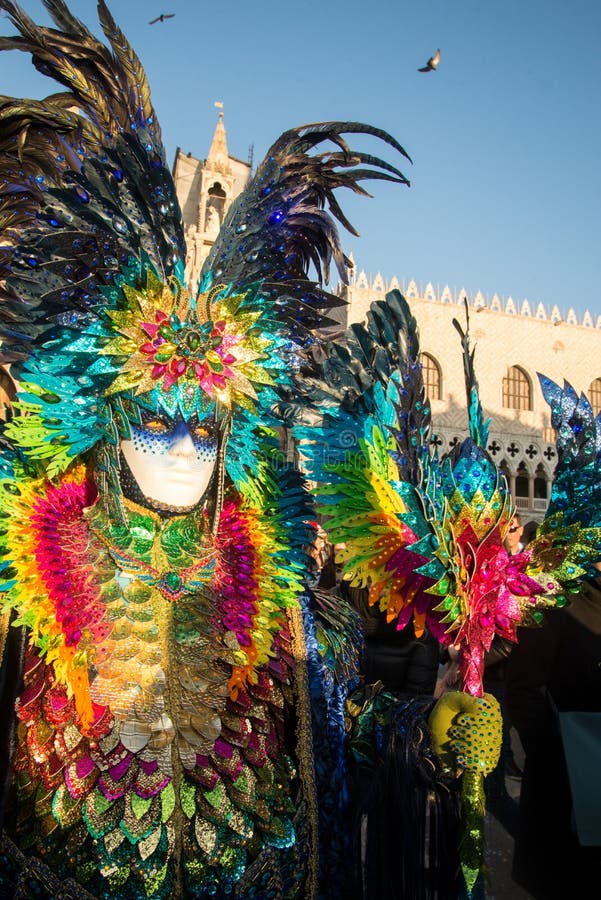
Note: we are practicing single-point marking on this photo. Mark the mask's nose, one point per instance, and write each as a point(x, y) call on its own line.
point(181, 442)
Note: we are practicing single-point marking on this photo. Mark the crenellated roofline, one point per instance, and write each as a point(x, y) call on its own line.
point(527, 309)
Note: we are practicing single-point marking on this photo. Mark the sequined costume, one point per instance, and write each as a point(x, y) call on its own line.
point(179, 724)
point(154, 773)
point(179, 728)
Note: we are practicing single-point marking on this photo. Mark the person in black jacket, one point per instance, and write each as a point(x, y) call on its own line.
point(396, 799)
point(554, 668)
point(402, 661)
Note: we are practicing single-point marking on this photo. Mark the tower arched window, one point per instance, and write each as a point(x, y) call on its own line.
point(215, 209)
point(217, 191)
point(432, 377)
point(594, 395)
point(517, 389)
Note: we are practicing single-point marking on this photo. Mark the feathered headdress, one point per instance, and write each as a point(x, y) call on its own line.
point(95, 317)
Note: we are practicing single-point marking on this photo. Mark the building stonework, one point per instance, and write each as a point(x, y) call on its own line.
point(511, 338)
point(205, 190)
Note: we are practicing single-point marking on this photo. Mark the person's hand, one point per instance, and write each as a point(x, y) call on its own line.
point(466, 731)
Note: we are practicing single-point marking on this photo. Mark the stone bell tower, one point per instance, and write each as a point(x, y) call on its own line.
point(205, 190)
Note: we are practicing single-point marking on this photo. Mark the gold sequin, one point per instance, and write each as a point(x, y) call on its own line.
point(206, 835)
point(148, 845)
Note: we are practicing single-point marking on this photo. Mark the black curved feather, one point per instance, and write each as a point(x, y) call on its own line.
point(109, 87)
point(285, 220)
point(84, 192)
point(346, 372)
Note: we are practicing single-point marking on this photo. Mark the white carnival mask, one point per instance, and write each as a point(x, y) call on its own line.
point(172, 460)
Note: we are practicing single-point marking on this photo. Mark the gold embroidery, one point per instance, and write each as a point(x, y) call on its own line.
point(304, 744)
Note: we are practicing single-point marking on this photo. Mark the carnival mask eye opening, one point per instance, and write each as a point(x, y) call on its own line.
point(203, 429)
point(156, 424)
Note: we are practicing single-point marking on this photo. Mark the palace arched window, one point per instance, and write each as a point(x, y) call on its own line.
point(594, 395)
point(517, 389)
point(521, 487)
point(541, 488)
point(432, 377)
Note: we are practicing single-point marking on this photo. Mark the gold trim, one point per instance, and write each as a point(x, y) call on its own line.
point(304, 735)
point(4, 626)
point(219, 491)
point(182, 512)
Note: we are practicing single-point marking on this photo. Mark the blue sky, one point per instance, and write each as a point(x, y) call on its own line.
point(505, 136)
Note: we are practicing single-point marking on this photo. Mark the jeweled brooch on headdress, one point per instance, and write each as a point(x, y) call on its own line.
point(168, 338)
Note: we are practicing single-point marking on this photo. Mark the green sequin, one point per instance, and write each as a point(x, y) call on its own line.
point(216, 796)
point(167, 802)
point(153, 883)
point(188, 798)
point(140, 805)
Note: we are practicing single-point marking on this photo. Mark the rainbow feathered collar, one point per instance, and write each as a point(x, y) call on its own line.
point(60, 548)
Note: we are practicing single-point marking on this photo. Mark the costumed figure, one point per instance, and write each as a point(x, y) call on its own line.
point(426, 536)
point(173, 697)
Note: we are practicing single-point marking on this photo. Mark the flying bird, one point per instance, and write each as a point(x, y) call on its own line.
point(162, 18)
point(432, 63)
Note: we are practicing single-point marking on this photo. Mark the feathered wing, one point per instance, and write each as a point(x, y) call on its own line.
point(568, 541)
point(88, 204)
point(364, 440)
point(426, 534)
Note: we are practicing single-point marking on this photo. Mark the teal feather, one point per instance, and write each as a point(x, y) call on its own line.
point(477, 425)
point(576, 491)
